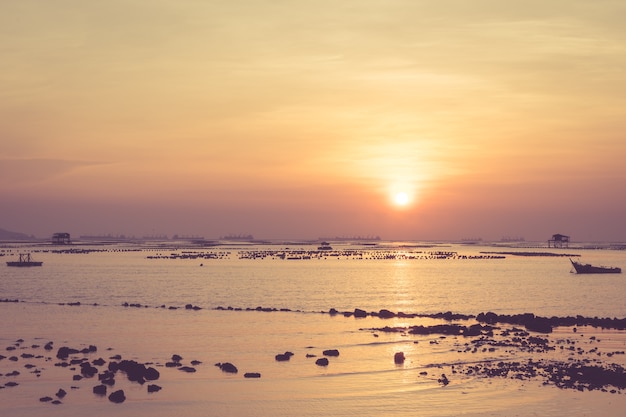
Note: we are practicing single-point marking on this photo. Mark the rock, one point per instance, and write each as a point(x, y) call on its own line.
point(173, 364)
point(99, 362)
point(117, 397)
point(360, 313)
point(281, 357)
point(539, 325)
point(443, 380)
point(386, 314)
point(398, 358)
point(100, 390)
point(64, 352)
point(322, 362)
point(176, 358)
point(151, 374)
point(189, 369)
point(154, 388)
point(61, 393)
point(134, 370)
point(331, 352)
point(87, 370)
point(45, 399)
point(228, 367)
point(252, 375)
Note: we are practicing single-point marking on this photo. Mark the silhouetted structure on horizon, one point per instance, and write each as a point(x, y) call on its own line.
point(61, 238)
point(559, 241)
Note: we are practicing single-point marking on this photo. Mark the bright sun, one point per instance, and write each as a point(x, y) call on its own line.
point(401, 198)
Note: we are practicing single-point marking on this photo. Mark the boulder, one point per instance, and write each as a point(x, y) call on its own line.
point(228, 367)
point(117, 397)
point(64, 352)
point(398, 358)
point(281, 357)
point(100, 390)
point(331, 352)
point(151, 374)
point(322, 362)
point(154, 388)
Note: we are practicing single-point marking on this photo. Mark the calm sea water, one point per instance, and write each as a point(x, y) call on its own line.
point(363, 380)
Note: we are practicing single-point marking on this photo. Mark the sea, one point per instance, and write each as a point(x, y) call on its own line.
point(186, 308)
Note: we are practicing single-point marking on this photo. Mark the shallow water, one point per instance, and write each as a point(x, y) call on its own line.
point(363, 380)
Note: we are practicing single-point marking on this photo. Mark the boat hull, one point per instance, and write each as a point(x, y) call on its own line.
point(591, 269)
point(24, 264)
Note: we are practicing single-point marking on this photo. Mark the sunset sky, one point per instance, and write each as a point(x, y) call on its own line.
point(301, 119)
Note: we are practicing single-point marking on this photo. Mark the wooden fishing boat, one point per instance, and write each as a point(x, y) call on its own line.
point(591, 269)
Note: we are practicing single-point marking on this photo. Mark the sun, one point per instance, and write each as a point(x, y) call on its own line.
point(401, 198)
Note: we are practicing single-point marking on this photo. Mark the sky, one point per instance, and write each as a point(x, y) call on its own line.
point(404, 119)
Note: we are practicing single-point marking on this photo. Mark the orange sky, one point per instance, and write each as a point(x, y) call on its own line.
point(302, 119)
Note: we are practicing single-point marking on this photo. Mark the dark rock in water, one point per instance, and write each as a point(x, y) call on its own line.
point(189, 369)
point(398, 358)
point(172, 364)
point(134, 370)
point(117, 397)
point(99, 362)
point(386, 314)
point(443, 380)
point(227, 367)
point(87, 370)
point(195, 362)
point(252, 375)
point(106, 375)
point(11, 384)
point(100, 390)
point(539, 325)
point(77, 377)
point(48, 346)
point(360, 313)
point(473, 330)
point(61, 393)
point(151, 374)
point(45, 399)
point(154, 388)
point(322, 362)
point(56, 402)
point(331, 352)
point(64, 352)
point(176, 358)
point(281, 357)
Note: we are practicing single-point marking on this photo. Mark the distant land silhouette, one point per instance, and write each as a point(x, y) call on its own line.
point(7, 235)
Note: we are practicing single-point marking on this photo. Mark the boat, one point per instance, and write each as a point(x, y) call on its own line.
point(325, 246)
point(24, 260)
point(591, 269)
